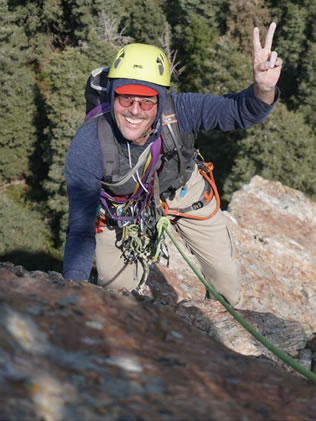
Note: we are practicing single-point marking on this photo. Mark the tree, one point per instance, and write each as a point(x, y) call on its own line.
point(213, 12)
point(196, 54)
point(306, 93)
point(291, 44)
point(306, 96)
point(146, 22)
point(19, 245)
point(42, 23)
point(281, 148)
point(64, 102)
point(243, 15)
point(195, 26)
point(17, 95)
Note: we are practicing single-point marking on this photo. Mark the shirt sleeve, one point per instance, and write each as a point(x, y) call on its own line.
point(241, 110)
point(83, 173)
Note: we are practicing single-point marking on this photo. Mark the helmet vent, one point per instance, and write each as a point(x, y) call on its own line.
point(160, 66)
point(118, 60)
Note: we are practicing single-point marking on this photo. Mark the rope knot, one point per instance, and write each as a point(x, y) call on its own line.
point(163, 224)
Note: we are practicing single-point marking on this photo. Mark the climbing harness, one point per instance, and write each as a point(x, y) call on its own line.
point(136, 215)
point(206, 170)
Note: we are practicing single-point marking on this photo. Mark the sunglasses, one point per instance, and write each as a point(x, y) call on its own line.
point(126, 101)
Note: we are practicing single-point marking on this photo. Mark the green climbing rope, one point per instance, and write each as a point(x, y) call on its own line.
point(137, 243)
point(162, 224)
point(280, 354)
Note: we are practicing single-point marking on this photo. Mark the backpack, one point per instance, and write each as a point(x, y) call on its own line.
point(95, 90)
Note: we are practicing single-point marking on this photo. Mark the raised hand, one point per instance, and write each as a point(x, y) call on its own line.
point(266, 65)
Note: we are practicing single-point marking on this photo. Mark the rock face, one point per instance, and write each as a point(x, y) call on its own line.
point(73, 351)
point(274, 228)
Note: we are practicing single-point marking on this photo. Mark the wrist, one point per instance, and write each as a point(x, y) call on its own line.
point(265, 94)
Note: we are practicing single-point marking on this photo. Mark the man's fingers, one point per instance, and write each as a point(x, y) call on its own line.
point(269, 36)
point(274, 61)
point(256, 40)
point(263, 67)
point(273, 58)
point(268, 41)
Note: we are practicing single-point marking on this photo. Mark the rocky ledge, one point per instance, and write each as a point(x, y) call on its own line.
point(73, 351)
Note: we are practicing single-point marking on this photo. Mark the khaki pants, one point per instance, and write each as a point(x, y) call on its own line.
point(209, 240)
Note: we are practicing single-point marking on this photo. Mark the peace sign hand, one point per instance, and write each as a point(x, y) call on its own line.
point(266, 65)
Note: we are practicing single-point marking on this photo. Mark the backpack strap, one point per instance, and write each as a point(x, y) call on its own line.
point(173, 139)
point(170, 139)
point(108, 146)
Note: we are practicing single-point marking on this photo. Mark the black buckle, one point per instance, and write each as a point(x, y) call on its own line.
point(166, 156)
point(197, 205)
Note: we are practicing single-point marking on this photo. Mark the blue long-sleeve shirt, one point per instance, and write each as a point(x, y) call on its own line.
point(84, 163)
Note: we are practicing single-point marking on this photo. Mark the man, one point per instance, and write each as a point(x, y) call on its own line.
point(139, 79)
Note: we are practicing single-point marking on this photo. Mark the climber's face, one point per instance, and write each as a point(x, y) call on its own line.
point(135, 116)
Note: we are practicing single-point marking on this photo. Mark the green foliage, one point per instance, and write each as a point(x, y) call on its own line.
point(307, 87)
point(25, 236)
point(281, 148)
point(228, 70)
point(196, 54)
point(146, 22)
point(241, 19)
point(195, 25)
point(17, 96)
point(65, 110)
point(42, 23)
point(80, 16)
point(291, 39)
point(178, 13)
point(306, 94)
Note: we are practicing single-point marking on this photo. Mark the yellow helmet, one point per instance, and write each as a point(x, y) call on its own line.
point(141, 62)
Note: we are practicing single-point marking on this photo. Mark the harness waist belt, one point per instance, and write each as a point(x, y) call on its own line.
point(205, 197)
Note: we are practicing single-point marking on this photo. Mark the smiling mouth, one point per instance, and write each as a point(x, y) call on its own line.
point(134, 121)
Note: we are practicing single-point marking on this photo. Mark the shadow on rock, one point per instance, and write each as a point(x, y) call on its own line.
point(32, 260)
